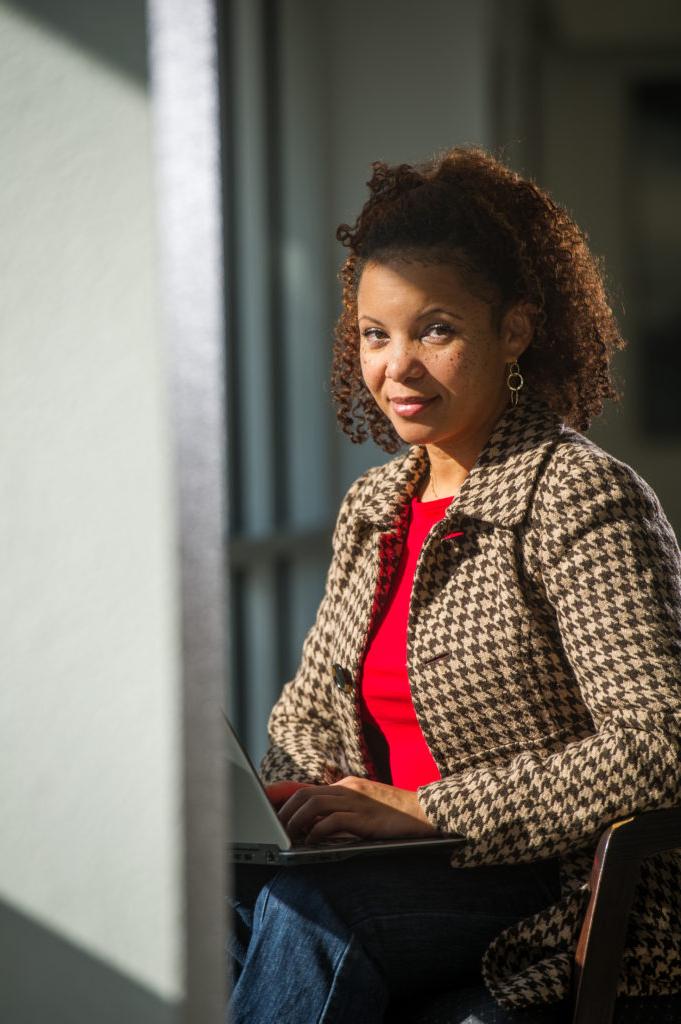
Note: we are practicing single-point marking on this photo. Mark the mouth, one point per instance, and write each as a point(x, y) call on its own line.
point(410, 405)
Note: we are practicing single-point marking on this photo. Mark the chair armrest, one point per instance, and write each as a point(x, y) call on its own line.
point(615, 872)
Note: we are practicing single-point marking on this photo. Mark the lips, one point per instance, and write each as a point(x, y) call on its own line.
point(410, 405)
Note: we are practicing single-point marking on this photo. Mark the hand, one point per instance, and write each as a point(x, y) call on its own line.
point(353, 807)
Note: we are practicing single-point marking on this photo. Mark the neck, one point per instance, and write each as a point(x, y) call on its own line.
point(446, 475)
point(451, 462)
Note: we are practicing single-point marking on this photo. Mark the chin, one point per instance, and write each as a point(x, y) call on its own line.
point(415, 433)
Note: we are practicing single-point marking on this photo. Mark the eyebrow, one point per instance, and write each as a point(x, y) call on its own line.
point(426, 312)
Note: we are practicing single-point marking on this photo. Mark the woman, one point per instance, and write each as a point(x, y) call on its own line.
point(498, 650)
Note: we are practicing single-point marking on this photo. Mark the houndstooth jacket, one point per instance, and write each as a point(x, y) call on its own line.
point(544, 656)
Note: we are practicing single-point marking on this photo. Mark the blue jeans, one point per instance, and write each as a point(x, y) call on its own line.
point(339, 942)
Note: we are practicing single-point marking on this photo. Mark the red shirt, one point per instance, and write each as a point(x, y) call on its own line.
point(394, 735)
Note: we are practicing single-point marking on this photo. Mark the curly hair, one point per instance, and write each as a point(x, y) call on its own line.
point(512, 243)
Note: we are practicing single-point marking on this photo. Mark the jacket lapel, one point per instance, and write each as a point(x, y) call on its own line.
point(500, 485)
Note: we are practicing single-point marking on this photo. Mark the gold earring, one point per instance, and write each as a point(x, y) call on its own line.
point(514, 382)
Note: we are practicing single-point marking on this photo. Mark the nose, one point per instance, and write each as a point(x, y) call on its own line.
point(403, 360)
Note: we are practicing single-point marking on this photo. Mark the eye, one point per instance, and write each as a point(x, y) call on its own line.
point(438, 332)
point(374, 336)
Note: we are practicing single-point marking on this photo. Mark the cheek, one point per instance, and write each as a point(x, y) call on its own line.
point(370, 371)
point(449, 367)
point(457, 370)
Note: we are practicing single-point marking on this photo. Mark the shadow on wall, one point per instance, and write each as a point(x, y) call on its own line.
point(46, 978)
point(113, 33)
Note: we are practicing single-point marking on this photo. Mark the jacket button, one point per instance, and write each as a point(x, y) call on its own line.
point(343, 679)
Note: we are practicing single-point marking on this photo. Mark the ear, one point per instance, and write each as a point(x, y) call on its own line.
point(517, 329)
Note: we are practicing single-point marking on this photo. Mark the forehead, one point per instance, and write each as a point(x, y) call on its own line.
point(407, 282)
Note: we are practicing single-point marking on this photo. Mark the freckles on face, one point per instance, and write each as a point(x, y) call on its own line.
point(457, 366)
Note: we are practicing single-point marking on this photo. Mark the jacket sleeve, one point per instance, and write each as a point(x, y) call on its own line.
point(305, 740)
point(611, 570)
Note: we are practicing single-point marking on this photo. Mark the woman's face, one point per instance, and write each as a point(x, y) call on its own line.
point(431, 356)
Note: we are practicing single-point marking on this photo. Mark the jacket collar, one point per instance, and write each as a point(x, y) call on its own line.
point(499, 487)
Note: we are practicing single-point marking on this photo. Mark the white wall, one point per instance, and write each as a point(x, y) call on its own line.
point(89, 755)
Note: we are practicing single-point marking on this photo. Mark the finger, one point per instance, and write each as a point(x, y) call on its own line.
point(301, 798)
point(303, 817)
point(339, 823)
point(315, 807)
point(294, 802)
point(344, 834)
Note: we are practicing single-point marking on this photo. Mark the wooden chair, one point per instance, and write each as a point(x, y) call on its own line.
point(617, 864)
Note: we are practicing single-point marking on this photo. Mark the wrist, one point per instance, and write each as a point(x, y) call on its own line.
point(413, 808)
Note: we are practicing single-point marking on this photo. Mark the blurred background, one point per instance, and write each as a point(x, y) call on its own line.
point(171, 179)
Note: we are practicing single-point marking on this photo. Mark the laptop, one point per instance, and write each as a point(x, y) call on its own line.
point(260, 838)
